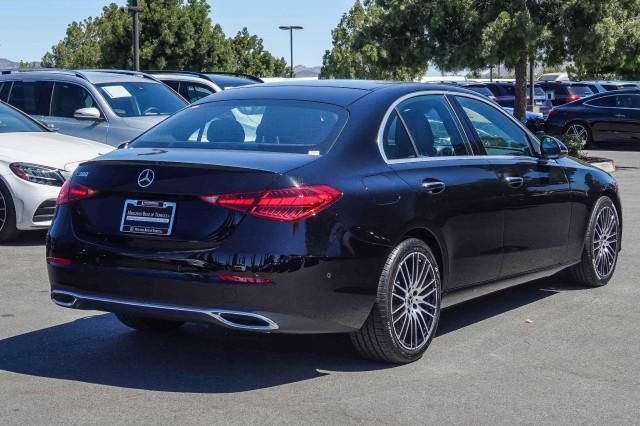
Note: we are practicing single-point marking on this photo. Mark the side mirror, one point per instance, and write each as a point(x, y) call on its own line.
point(91, 114)
point(552, 149)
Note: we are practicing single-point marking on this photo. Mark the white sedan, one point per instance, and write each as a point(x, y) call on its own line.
point(34, 163)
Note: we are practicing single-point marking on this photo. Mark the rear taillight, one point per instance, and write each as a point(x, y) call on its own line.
point(73, 191)
point(572, 98)
point(285, 204)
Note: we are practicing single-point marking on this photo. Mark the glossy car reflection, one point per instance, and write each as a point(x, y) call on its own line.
point(329, 206)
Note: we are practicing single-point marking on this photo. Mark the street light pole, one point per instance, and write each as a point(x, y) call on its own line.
point(290, 28)
point(134, 10)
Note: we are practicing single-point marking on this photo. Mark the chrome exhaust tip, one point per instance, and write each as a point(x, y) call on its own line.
point(244, 320)
point(63, 299)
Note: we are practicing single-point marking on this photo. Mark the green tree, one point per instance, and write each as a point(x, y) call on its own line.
point(79, 49)
point(353, 57)
point(250, 57)
point(598, 36)
point(174, 34)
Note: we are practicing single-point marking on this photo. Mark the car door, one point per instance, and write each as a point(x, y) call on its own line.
point(455, 190)
point(601, 114)
point(626, 116)
point(536, 197)
point(66, 99)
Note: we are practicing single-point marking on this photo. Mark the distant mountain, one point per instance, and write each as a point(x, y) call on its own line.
point(6, 63)
point(303, 71)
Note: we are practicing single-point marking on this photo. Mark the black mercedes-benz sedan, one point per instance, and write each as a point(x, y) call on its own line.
point(328, 206)
point(609, 117)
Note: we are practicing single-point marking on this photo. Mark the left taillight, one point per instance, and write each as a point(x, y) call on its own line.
point(73, 191)
point(284, 204)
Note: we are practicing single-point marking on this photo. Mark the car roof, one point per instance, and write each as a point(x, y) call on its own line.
point(337, 92)
point(91, 76)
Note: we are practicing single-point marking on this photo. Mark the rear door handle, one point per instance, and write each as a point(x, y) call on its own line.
point(620, 116)
point(432, 186)
point(514, 181)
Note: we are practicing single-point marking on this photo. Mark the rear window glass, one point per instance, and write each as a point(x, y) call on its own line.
point(254, 125)
point(582, 91)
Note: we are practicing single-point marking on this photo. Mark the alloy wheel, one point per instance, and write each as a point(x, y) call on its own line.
point(605, 242)
point(3, 211)
point(579, 132)
point(414, 301)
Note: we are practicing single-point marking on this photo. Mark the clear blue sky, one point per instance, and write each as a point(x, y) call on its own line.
point(28, 28)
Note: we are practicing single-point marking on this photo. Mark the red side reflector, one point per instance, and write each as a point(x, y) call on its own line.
point(73, 191)
point(244, 280)
point(59, 261)
point(285, 204)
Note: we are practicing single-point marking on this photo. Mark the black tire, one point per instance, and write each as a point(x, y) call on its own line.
point(587, 272)
point(148, 324)
point(379, 339)
point(8, 230)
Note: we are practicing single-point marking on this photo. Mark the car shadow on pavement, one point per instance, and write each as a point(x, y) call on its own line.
point(200, 359)
point(29, 239)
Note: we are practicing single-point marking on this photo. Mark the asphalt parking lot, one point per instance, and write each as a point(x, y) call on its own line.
point(544, 353)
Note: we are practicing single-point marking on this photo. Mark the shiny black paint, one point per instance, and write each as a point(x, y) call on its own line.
point(606, 124)
point(324, 269)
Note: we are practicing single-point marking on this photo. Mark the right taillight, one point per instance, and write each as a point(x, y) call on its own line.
point(284, 204)
point(73, 191)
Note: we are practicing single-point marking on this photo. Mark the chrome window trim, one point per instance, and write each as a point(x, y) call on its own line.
point(457, 119)
point(393, 107)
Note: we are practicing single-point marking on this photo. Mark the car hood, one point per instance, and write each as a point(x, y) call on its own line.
point(49, 149)
point(144, 123)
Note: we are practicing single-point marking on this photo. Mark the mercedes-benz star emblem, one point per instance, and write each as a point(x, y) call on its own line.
point(146, 178)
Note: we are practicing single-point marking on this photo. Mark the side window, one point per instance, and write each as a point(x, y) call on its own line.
point(432, 127)
point(494, 90)
point(498, 134)
point(32, 97)
point(175, 85)
point(605, 101)
point(69, 97)
point(395, 139)
point(194, 91)
point(5, 87)
point(628, 101)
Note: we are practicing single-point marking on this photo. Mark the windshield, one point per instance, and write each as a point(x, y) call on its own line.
point(254, 125)
point(12, 121)
point(137, 99)
point(582, 91)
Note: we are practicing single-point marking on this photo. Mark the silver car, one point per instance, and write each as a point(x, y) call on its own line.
point(194, 86)
point(107, 106)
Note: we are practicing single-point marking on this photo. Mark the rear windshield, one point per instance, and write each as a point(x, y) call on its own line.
point(12, 121)
point(537, 91)
point(483, 90)
point(133, 99)
point(582, 91)
point(253, 125)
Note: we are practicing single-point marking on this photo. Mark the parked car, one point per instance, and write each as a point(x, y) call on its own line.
point(34, 163)
point(194, 86)
point(596, 86)
point(602, 118)
point(301, 225)
point(560, 93)
point(554, 76)
point(505, 95)
point(619, 85)
point(534, 121)
point(107, 106)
